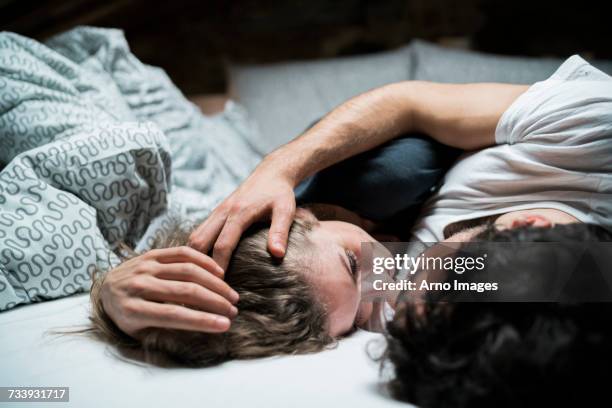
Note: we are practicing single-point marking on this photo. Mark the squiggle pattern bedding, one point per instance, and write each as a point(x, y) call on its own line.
point(97, 148)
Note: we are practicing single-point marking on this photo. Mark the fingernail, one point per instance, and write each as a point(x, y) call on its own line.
point(223, 323)
point(233, 311)
point(279, 247)
point(234, 297)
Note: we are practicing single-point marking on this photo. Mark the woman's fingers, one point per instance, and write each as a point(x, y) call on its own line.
point(182, 293)
point(192, 273)
point(131, 293)
point(185, 254)
point(170, 316)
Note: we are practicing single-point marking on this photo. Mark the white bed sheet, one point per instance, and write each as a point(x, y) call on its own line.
point(30, 356)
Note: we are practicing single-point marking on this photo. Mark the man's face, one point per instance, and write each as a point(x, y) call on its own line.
point(536, 217)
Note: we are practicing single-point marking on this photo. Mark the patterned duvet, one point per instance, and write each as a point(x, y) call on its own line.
point(97, 148)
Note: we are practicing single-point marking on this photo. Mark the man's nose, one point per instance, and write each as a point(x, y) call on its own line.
point(531, 220)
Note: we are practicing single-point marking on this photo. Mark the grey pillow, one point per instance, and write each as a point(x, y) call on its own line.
point(440, 64)
point(286, 98)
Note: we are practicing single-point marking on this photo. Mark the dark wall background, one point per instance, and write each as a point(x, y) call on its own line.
point(192, 39)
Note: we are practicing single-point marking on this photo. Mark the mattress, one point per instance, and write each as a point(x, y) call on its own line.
point(32, 355)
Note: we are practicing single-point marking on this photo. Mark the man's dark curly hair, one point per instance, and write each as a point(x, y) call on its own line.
point(494, 354)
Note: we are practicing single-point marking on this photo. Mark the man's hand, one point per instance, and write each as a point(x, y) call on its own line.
point(174, 288)
point(266, 194)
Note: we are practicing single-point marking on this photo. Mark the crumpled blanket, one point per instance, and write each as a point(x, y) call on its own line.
point(98, 149)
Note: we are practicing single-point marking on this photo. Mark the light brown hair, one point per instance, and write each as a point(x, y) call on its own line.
point(279, 312)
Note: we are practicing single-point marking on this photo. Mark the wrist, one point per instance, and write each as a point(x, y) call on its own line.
point(285, 164)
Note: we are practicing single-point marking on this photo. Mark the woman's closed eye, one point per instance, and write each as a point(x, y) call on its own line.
point(353, 263)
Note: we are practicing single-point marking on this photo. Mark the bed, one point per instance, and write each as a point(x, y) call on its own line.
point(118, 111)
point(33, 356)
point(282, 100)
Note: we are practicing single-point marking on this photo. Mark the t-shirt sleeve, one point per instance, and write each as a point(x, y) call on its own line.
point(572, 107)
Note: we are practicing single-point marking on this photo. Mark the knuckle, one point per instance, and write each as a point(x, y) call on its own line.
point(277, 232)
point(227, 292)
point(236, 208)
point(207, 259)
point(137, 287)
point(193, 270)
point(172, 313)
point(284, 207)
point(187, 291)
point(140, 270)
point(221, 246)
point(129, 310)
point(153, 253)
point(195, 242)
point(143, 268)
point(114, 293)
point(204, 320)
point(223, 210)
point(183, 251)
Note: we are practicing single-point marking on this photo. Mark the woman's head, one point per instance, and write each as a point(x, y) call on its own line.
point(334, 271)
point(299, 304)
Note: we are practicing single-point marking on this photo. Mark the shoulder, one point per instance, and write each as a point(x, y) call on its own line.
point(575, 96)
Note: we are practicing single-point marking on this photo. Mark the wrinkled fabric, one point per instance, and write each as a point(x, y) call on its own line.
point(98, 149)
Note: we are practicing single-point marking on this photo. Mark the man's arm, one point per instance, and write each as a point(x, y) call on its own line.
point(458, 115)
point(463, 116)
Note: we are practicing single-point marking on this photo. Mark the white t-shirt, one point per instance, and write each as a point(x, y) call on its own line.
point(554, 150)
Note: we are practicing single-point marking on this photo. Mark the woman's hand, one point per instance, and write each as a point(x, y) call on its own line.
point(266, 194)
point(174, 288)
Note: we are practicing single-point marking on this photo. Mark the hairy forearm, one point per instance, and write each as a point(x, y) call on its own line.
point(462, 116)
point(357, 125)
point(459, 115)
